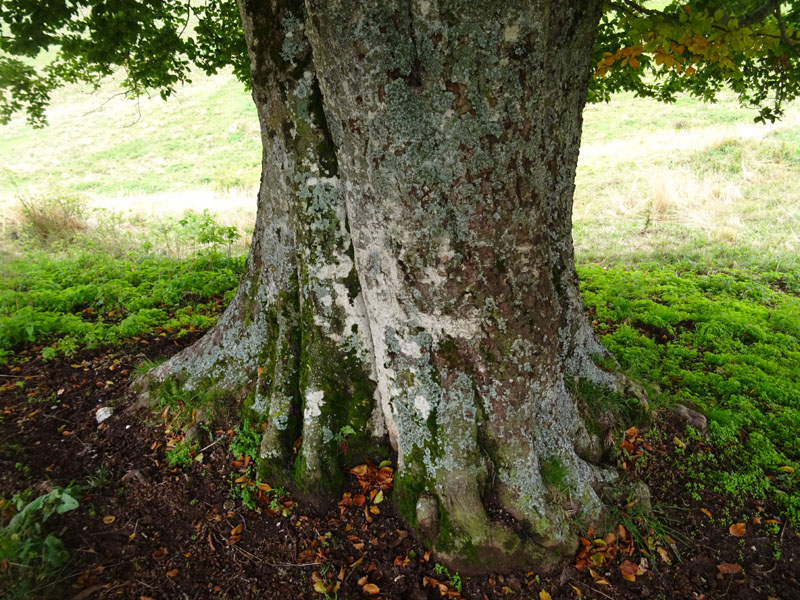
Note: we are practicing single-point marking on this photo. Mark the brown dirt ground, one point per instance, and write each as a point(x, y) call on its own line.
point(178, 534)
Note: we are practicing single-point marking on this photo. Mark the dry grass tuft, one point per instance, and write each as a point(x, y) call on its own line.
point(51, 217)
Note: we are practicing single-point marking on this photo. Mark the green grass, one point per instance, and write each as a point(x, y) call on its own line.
point(110, 146)
point(688, 181)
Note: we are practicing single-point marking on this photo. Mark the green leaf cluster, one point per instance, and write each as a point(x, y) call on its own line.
point(45, 44)
point(25, 543)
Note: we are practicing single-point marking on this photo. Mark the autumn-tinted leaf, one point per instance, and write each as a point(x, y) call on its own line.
point(627, 567)
point(359, 471)
point(729, 568)
point(371, 589)
point(737, 529)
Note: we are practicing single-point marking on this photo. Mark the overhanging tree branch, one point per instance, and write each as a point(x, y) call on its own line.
point(791, 45)
point(760, 13)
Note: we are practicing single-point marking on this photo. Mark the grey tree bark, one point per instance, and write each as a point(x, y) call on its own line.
point(412, 275)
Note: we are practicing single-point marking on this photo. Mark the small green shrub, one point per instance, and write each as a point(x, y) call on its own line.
point(203, 229)
point(31, 553)
point(246, 441)
point(181, 454)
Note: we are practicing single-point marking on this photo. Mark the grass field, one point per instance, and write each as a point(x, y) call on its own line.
point(687, 181)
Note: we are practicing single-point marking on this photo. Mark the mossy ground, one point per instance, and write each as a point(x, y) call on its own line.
point(727, 343)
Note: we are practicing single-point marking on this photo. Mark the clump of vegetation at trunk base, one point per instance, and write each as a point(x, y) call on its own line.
point(248, 487)
point(30, 555)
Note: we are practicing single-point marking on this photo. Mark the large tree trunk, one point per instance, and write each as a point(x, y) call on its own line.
point(411, 274)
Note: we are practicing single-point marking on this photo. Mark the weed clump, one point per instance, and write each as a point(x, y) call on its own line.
point(56, 216)
point(29, 553)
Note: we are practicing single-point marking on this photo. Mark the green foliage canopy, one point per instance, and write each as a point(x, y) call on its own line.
point(655, 49)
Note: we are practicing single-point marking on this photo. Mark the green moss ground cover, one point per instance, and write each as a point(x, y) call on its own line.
point(728, 343)
point(68, 301)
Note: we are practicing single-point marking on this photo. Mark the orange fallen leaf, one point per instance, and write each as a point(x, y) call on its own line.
point(359, 471)
point(160, 553)
point(172, 572)
point(628, 567)
point(371, 589)
point(706, 512)
point(108, 519)
point(737, 529)
point(729, 568)
point(237, 530)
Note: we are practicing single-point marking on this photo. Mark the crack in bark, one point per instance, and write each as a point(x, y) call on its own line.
point(414, 79)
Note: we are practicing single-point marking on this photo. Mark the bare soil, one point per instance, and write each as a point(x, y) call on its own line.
point(177, 533)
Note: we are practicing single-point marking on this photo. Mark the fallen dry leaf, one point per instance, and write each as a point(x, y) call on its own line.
point(543, 595)
point(578, 591)
point(706, 512)
point(737, 529)
point(172, 572)
point(237, 530)
point(160, 553)
point(371, 589)
point(729, 568)
point(108, 519)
